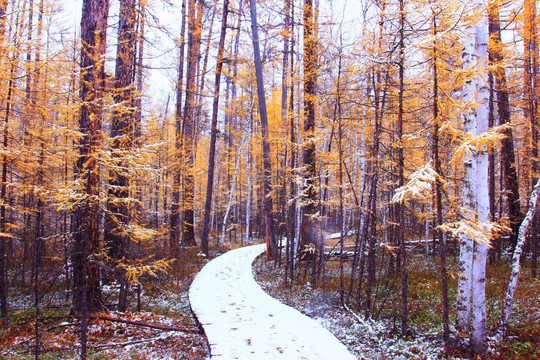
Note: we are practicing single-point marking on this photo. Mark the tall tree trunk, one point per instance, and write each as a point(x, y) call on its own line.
point(437, 233)
point(195, 10)
point(174, 233)
point(309, 228)
point(471, 309)
point(337, 117)
point(532, 108)
point(3, 187)
point(85, 218)
point(508, 163)
point(399, 206)
point(117, 216)
point(271, 245)
point(213, 132)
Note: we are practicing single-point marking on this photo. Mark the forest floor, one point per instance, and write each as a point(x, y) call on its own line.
point(164, 302)
point(379, 338)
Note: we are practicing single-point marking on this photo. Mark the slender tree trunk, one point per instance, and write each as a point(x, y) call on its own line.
point(337, 117)
point(231, 192)
point(3, 187)
point(271, 245)
point(370, 230)
point(532, 108)
point(174, 234)
point(526, 225)
point(213, 131)
point(195, 10)
point(399, 206)
point(248, 185)
point(437, 233)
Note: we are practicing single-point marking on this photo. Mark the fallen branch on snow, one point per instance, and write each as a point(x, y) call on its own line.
point(130, 322)
point(152, 326)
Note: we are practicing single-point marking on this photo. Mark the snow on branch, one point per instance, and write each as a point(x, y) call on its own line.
point(476, 143)
point(481, 232)
point(419, 185)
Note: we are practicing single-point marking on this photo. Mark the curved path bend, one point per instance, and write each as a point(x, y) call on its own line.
point(242, 322)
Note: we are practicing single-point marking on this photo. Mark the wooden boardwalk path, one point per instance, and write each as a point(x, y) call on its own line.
point(242, 322)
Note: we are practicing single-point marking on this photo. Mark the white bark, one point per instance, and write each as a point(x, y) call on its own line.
point(248, 174)
point(516, 262)
point(478, 340)
point(473, 255)
point(231, 193)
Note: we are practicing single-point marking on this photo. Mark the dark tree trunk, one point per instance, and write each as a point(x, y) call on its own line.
point(3, 204)
point(174, 234)
point(370, 229)
point(532, 91)
point(310, 232)
point(213, 132)
point(399, 206)
point(437, 233)
point(85, 218)
point(271, 245)
point(3, 239)
point(195, 10)
point(508, 162)
point(122, 134)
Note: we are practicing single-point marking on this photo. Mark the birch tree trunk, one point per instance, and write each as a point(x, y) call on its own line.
point(516, 261)
point(470, 306)
point(231, 192)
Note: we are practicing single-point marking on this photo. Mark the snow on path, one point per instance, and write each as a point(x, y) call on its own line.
point(242, 322)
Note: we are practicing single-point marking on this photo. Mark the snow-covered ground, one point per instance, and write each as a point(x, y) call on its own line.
point(242, 322)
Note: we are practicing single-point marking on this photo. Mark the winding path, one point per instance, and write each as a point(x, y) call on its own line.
point(242, 322)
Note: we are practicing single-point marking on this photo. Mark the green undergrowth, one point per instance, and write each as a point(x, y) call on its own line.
point(424, 307)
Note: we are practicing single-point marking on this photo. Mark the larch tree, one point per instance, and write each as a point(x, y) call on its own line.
point(174, 233)
point(213, 131)
point(122, 136)
point(86, 216)
point(271, 245)
point(507, 155)
point(195, 10)
point(400, 214)
point(435, 153)
point(310, 233)
point(531, 84)
point(3, 239)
